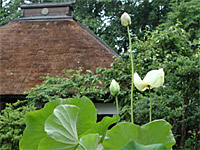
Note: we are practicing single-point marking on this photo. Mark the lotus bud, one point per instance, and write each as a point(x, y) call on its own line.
point(125, 19)
point(114, 88)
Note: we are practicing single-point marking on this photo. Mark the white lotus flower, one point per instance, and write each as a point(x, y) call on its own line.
point(153, 79)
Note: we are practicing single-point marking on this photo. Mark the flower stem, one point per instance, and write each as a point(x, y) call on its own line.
point(116, 100)
point(150, 103)
point(132, 73)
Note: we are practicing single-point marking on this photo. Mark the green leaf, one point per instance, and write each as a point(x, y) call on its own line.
point(136, 146)
point(89, 141)
point(87, 115)
point(61, 127)
point(80, 148)
point(34, 131)
point(155, 132)
point(102, 126)
point(51, 144)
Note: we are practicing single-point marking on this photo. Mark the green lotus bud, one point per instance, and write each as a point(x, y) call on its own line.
point(153, 79)
point(125, 19)
point(114, 88)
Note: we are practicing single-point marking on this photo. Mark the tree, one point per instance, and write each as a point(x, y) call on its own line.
point(9, 10)
point(188, 13)
point(104, 19)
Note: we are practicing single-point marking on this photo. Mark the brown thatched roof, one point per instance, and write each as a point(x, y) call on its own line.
point(32, 49)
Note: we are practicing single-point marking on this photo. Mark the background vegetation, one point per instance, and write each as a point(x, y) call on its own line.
point(165, 35)
point(12, 124)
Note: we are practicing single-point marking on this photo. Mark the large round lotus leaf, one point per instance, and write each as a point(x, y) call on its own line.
point(102, 127)
point(155, 132)
point(34, 131)
point(89, 141)
point(61, 127)
point(135, 146)
point(87, 115)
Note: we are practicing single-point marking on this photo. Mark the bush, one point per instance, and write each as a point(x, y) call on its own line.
point(79, 83)
point(12, 124)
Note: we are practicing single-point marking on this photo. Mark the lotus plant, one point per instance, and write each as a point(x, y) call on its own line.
point(153, 79)
point(126, 21)
point(114, 90)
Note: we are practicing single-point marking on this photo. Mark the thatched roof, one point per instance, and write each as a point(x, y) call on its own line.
point(32, 49)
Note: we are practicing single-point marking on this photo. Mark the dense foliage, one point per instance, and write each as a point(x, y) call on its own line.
point(9, 11)
point(188, 13)
point(104, 19)
point(12, 124)
point(78, 84)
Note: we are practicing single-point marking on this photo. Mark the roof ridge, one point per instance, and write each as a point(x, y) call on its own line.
point(50, 4)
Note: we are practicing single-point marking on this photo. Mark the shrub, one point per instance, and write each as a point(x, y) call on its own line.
point(78, 84)
point(12, 124)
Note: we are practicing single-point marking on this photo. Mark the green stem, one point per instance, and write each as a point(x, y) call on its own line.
point(116, 100)
point(150, 103)
point(131, 54)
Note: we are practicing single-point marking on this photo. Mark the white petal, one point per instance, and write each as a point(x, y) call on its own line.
point(139, 84)
point(154, 78)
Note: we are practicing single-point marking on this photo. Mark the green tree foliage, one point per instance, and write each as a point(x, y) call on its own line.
point(12, 124)
point(9, 10)
point(103, 18)
point(171, 49)
point(188, 13)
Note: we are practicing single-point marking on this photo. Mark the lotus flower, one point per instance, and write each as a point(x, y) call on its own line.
point(153, 79)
